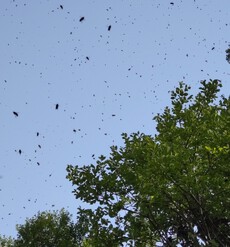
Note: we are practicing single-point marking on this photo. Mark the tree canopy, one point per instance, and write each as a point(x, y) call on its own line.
point(6, 242)
point(49, 229)
point(172, 187)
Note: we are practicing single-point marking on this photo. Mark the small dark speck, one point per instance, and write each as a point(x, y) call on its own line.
point(213, 48)
point(61, 6)
point(37, 133)
point(56, 107)
point(109, 27)
point(20, 151)
point(15, 113)
point(82, 19)
point(172, 3)
point(87, 58)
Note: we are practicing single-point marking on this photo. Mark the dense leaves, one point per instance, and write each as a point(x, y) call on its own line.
point(49, 229)
point(172, 187)
point(6, 242)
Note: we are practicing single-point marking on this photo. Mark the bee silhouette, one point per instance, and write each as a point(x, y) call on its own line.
point(109, 27)
point(82, 19)
point(15, 113)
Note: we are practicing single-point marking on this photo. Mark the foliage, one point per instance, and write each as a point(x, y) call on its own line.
point(172, 187)
point(6, 242)
point(48, 229)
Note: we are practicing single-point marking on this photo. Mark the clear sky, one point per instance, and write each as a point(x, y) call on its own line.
point(105, 82)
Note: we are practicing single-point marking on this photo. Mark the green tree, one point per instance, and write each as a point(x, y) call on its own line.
point(48, 229)
point(172, 187)
point(6, 241)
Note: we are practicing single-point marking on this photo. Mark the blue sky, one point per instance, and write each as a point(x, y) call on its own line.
point(105, 82)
